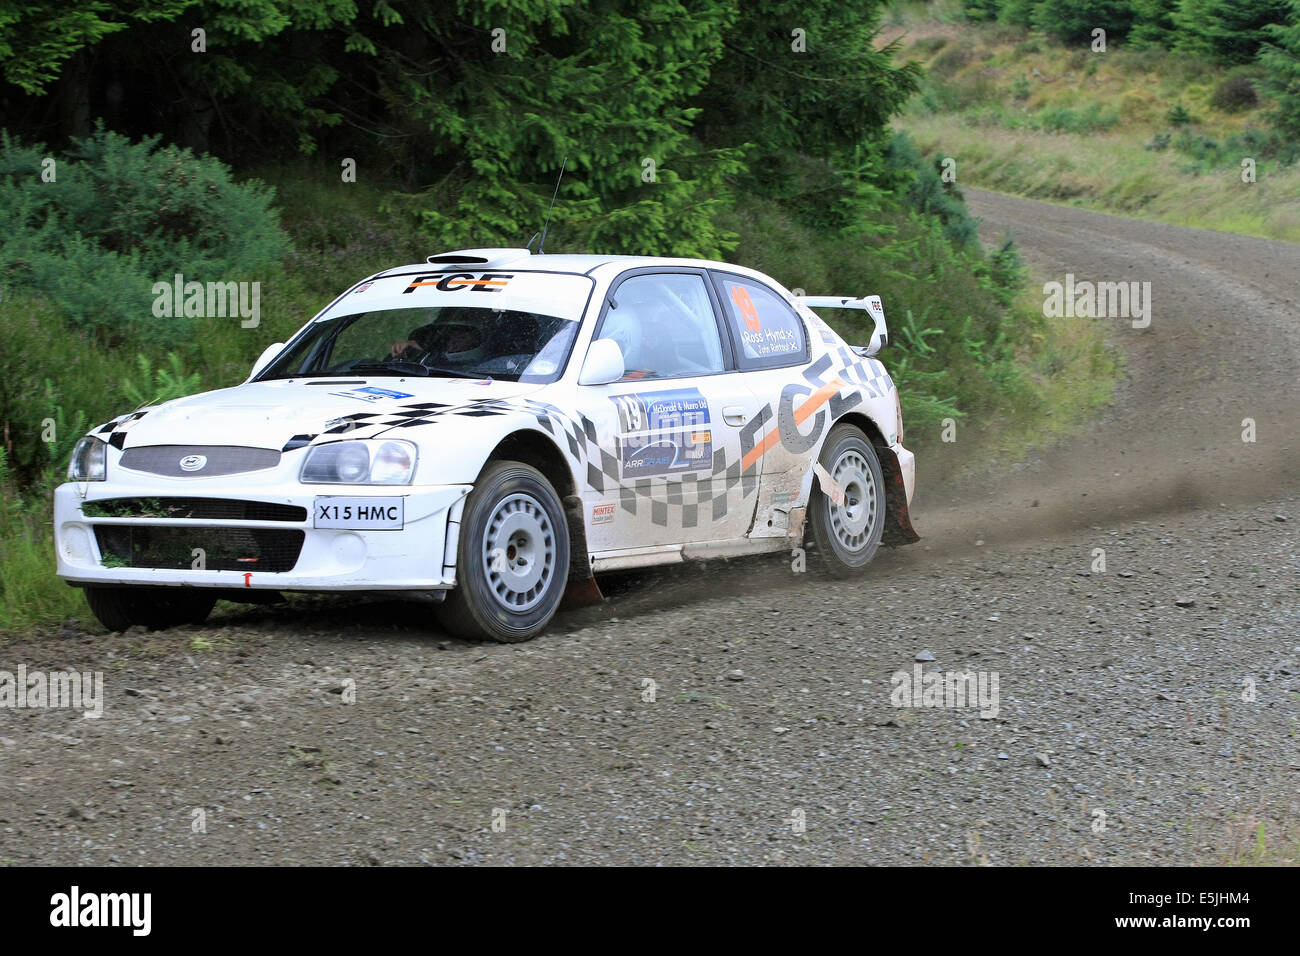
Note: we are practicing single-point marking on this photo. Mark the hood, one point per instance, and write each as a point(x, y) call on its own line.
point(270, 414)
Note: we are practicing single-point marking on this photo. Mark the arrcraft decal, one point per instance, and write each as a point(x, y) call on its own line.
point(663, 432)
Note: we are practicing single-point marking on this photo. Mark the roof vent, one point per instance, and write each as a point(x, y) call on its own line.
point(490, 258)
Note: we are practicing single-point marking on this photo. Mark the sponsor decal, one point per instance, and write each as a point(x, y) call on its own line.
point(661, 433)
point(457, 281)
point(602, 514)
point(363, 287)
point(371, 394)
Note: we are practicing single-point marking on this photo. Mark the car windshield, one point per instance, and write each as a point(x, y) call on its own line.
point(445, 341)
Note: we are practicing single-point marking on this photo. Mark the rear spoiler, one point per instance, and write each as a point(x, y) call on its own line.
point(867, 303)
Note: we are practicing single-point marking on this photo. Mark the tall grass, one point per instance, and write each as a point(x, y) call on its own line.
point(29, 591)
point(1118, 173)
point(1139, 132)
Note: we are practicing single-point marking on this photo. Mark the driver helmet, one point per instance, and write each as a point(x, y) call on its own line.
point(461, 341)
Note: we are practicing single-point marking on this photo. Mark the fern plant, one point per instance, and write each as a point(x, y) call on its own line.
point(155, 385)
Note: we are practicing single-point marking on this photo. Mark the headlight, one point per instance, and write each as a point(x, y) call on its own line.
point(360, 463)
point(88, 457)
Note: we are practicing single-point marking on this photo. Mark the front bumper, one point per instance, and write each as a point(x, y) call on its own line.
point(419, 556)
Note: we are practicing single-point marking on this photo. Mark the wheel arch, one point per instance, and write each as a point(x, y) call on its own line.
point(535, 448)
point(898, 524)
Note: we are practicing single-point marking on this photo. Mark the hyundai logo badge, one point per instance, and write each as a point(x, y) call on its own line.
point(193, 462)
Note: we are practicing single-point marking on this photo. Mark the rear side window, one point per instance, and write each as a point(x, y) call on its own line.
point(766, 331)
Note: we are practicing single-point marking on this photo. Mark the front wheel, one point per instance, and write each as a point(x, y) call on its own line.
point(847, 532)
point(512, 561)
point(119, 608)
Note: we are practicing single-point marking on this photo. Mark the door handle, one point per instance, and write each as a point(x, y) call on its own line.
point(733, 415)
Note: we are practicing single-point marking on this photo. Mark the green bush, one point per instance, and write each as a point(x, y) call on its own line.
point(1019, 13)
point(120, 216)
point(919, 183)
point(29, 591)
point(1153, 24)
point(1074, 20)
point(1234, 94)
point(1066, 119)
point(952, 59)
point(1280, 59)
point(53, 373)
point(981, 11)
point(1230, 31)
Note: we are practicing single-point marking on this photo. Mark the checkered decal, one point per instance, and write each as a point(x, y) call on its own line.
point(116, 429)
point(696, 496)
point(688, 493)
point(857, 370)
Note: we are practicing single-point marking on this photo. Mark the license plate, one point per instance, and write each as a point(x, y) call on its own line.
point(359, 514)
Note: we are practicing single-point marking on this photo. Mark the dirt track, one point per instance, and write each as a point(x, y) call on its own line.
point(1119, 691)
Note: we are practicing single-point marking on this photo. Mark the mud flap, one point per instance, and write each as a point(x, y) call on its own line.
point(583, 592)
point(898, 526)
point(582, 589)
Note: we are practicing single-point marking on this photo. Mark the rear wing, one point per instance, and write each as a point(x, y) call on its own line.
point(867, 303)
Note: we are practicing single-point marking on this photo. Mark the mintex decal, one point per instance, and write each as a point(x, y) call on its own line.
point(457, 281)
point(602, 514)
point(663, 432)
point(371, 394)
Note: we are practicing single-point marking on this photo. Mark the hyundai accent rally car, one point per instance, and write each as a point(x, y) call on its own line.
point(488, 430)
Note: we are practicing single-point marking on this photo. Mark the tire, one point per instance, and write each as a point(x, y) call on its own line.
point(513, 517)
point(119, 608)
point(847, 535)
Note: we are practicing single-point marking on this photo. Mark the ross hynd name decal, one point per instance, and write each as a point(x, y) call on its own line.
point(457, 281)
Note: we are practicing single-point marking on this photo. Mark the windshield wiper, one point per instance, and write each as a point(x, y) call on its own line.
point(397, 366)
point(456, 373)
point(401, 367)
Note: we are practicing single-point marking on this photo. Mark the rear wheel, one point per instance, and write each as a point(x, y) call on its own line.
point(118, 608)
point(513, 557)
point(847, 532)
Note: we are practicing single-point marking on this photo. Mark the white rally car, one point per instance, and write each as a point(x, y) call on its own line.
point(488, 430)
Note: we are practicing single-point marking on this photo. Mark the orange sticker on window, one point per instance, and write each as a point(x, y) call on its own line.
point(740, 296)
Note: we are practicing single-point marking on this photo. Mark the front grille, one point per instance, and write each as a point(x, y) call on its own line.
point(221, 459)
point(224, 549)
point(211, 509)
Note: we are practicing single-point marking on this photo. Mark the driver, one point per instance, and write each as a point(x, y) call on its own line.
point(458, 341)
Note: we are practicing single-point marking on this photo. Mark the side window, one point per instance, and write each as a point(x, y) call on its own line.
point(665, 326)
point(766, 331)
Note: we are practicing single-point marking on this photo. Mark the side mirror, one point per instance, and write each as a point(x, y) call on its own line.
point(604, 363)
point(270, 352)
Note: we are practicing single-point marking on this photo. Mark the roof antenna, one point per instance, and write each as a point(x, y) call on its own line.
point(545, 225)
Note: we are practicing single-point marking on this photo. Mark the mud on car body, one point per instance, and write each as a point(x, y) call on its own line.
point(487, 431)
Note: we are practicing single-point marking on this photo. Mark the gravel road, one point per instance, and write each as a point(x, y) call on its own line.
point(743, 713)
